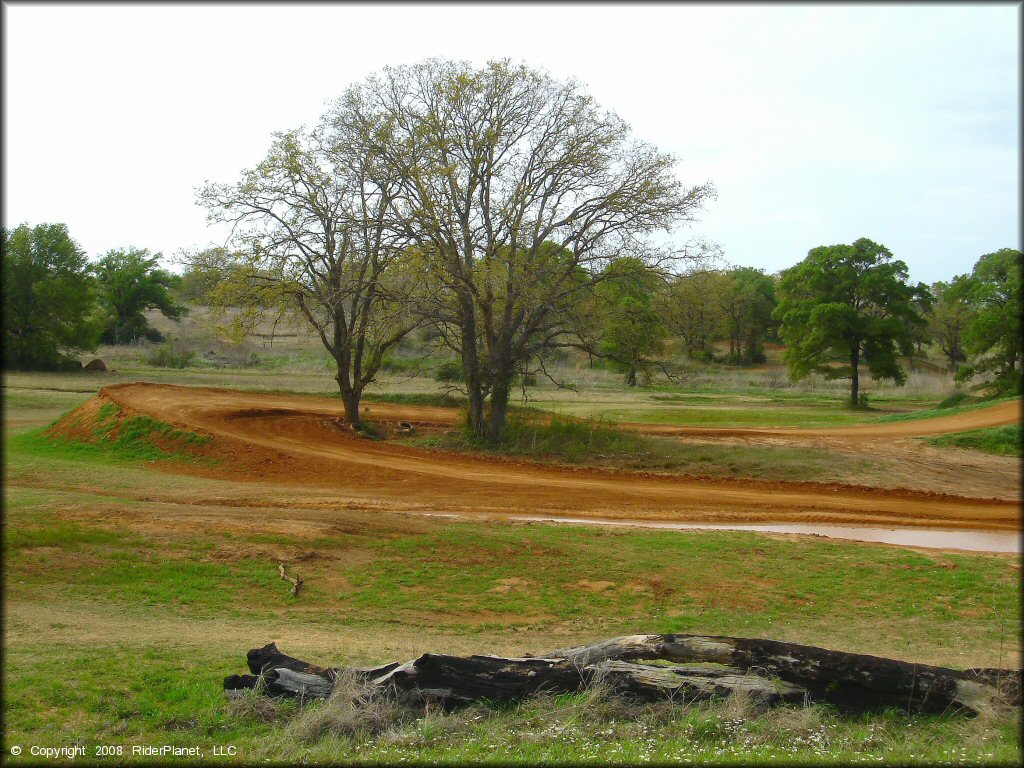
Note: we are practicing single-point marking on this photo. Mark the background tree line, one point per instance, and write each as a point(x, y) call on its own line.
point(57, 304)
point(508, 216)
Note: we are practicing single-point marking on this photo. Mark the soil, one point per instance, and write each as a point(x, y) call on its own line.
point(298, 442)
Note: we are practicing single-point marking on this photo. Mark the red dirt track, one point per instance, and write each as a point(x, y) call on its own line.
point(295, 440)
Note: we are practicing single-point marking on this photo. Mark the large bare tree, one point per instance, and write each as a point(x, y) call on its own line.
point(516, 190)
point(310, 223)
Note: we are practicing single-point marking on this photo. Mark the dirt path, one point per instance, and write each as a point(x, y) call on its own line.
point(294, 440)
point(978, 418)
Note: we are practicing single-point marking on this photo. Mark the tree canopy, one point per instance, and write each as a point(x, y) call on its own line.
point(49, 299)
point(847, 305)
point(949, 318)
point(746, 297)
point(993, 290)
point(130, 282)
point(634, 332)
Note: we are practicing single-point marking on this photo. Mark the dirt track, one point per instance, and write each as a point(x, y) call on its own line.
point(979, 418)
point(294, 440)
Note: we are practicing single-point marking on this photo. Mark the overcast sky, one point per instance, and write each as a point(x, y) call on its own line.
point(818, 124)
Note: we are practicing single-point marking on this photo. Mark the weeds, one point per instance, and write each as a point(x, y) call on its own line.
point(168, 355)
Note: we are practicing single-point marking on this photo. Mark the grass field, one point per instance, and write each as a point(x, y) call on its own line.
point(130, 592)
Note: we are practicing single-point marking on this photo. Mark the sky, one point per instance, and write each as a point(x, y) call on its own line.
point(817, 124)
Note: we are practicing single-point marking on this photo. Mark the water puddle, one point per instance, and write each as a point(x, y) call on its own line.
point(971, 541)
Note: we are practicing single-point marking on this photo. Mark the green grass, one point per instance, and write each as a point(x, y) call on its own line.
point(1002, 441)
point(442, 399)
point(147, 688)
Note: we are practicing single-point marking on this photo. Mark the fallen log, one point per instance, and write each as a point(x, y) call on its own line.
point(850, 681)
point(282, 682)
point(767, 670)
point(262, 660)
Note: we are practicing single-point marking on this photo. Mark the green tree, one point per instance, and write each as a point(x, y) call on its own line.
point(492, 165)
point(130, 283)
point(634, 332)
point(949, 318)
point(994, 332)
point(747, 300)
point(49, 299)
point(847, 305)
point(692, 309)
point(202, 271)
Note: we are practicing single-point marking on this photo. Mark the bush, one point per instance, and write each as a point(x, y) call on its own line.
point(449, 372)
point(168, 355)
point(955, 400)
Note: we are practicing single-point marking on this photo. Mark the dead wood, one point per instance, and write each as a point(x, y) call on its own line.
point(295, 581)
point(769, 671)
point(850, 681)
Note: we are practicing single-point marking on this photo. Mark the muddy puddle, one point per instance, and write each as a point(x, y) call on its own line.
point(970, 541)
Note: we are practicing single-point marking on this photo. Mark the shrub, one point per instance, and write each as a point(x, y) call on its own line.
point(449, 372)
point(168, 355)
point(955, 400)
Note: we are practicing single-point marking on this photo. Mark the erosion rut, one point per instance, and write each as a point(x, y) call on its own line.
point(294, 439)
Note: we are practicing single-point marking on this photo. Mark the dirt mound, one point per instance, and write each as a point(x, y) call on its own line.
point(106, 423)
point(291, 439)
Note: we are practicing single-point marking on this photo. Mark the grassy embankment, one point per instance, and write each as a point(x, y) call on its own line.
point(130, 593)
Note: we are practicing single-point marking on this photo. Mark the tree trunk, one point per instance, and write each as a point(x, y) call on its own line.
point(351, 399)
point(855, 378)
point(350, 396)
point(772, 671)
point(471, 368)
point(500, 391)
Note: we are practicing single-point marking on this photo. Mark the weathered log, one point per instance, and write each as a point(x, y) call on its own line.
point(687, 683)
point(850, 681)
point(768, 670)
point(1008, 682)
point(283, 682)
point(457, 680)
point(261, 660)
